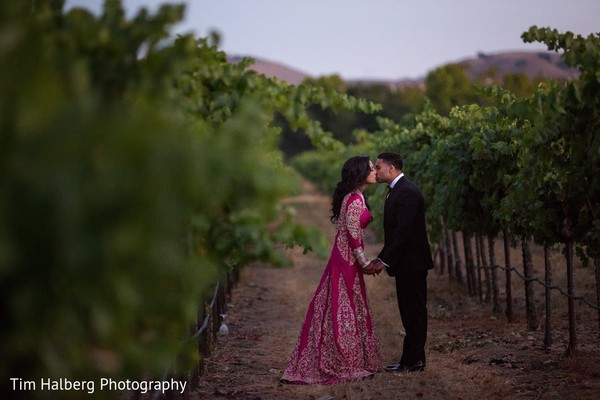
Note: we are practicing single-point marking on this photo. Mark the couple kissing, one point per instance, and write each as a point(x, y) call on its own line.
point(337, 341)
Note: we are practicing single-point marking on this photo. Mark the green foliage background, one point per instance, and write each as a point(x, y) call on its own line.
point(135, 170)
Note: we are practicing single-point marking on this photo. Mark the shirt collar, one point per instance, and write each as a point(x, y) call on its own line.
point(396, 180)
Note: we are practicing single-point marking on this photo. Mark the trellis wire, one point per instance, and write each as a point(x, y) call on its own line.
point(552, 287)
point(203, 327)
point(520, 275)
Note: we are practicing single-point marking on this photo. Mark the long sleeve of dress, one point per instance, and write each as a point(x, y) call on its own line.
point(355, 208)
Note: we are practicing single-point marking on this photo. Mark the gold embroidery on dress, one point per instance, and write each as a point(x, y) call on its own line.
point(349, 223)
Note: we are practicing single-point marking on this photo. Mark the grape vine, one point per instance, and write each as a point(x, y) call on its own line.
point(135, 171)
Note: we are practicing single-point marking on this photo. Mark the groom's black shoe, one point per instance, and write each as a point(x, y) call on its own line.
point(417, 367)
point(394, 368)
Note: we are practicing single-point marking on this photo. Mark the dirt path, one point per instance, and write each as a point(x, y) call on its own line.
point(471, 353)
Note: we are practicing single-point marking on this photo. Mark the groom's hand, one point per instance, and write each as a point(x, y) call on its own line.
point(377, 266)
point(369, 269)
point(373, 268)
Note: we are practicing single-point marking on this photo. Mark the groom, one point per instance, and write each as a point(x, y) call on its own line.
point(406, 256)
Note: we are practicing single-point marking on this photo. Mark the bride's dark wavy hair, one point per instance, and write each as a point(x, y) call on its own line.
point(354, 173)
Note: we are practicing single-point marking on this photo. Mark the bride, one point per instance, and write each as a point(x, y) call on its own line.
point(337, 342)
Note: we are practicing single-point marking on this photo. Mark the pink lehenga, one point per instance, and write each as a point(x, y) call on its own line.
point(337, 342)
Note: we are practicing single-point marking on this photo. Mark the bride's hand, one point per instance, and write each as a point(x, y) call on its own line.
point(371, 268)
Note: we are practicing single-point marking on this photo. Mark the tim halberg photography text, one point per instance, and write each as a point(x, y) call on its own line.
point(64, 384)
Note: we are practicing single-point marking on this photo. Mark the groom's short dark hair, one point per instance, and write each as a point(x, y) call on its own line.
point(392, 158)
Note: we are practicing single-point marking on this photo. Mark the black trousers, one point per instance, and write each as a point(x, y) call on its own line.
point(411, 290)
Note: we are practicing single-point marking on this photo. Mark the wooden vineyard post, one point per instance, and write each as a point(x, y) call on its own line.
point(494, 275)
point(597, 265)
point(548, 282)
point(479, 266)
point(469, 264)
point(486, 269)
point(458, 265)
point(532, 320)
point(507, 265)
point(572, 348)
point(449, 254)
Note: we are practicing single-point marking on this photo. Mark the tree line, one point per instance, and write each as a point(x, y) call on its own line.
point(442, 89)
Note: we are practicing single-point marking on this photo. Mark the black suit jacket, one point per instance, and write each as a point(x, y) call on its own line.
point(406, 246)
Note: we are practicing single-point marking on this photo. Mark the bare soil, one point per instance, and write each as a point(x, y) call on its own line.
point(472, 353)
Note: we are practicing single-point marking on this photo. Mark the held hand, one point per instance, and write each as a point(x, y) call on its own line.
point(373, 268)
point(377, 266)
point(368, 269)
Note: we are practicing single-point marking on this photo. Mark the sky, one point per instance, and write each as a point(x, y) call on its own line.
point(372, 39)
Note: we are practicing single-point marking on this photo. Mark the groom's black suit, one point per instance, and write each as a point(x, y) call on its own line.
point(407, 253)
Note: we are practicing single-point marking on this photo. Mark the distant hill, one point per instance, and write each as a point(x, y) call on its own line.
point(533, 63)
point(275, 70)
